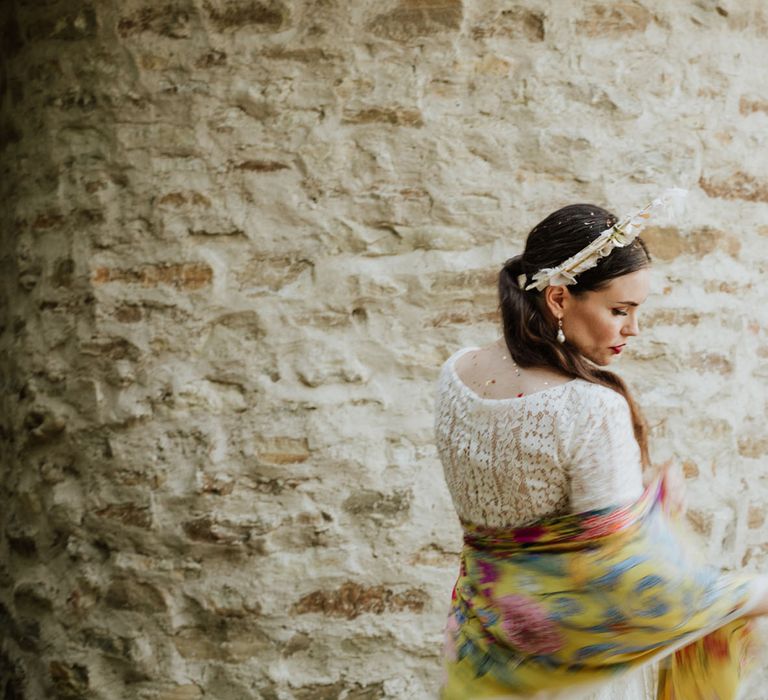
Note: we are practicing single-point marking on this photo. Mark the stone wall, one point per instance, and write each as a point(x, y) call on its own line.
point(239, 238)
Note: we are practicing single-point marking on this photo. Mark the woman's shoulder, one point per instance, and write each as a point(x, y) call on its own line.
point(590, 390)
point(594, 401)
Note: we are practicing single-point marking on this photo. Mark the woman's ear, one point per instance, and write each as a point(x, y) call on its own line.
point(556, 298)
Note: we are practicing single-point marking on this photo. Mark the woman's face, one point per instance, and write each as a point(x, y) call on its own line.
point(600, 323)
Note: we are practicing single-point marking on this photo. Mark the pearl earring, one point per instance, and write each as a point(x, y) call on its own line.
point(560, 334)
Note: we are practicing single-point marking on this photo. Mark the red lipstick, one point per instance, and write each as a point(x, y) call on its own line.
point(617, 349)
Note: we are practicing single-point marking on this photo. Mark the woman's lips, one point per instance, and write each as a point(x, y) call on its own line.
point(617, 349)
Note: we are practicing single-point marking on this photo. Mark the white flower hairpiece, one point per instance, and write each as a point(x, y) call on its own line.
point(619, 235)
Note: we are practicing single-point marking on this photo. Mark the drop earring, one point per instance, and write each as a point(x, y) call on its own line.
point(560, 334)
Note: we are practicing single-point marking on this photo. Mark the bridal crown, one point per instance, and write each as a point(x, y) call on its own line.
point(621, 234)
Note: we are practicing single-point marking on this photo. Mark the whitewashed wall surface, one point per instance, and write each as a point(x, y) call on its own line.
point(238, 239)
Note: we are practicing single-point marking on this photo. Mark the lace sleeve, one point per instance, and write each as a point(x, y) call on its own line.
point(604, 463)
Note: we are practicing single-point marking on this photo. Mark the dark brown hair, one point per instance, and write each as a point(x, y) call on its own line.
point(530, 330)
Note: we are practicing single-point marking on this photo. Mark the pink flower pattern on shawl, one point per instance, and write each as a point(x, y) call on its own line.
point(527, 625)
point(489, 573)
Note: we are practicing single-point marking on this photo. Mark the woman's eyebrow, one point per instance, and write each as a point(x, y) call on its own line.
point(627, 303)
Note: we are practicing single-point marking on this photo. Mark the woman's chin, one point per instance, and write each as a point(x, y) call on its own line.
point(602, 359)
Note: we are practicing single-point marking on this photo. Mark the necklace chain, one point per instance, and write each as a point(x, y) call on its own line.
point(517, 372)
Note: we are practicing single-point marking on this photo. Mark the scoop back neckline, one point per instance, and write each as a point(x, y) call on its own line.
point(509, 399)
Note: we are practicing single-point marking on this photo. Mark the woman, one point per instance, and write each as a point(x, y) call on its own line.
point(575, 581)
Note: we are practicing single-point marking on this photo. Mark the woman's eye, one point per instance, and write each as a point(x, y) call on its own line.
point(619, 312)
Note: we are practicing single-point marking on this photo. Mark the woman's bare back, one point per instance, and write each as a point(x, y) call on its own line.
point(491, 374)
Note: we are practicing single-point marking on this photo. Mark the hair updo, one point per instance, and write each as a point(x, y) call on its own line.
point(529, 327)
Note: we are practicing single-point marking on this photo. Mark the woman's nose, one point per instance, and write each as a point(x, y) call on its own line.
point(631, 327)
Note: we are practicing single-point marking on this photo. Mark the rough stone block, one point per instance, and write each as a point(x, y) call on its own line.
point(700, 521)
point(517, 22)
point(170, 20)
point(739, 185)
point(125, 593)
point(690, 469)
point(411, 19)
point(129, 514)
point(750, 105)
point(341, 689)
point(273, 272)
point(396, 116)
point(261, 166)
point(180, 199)
point(232, 642)
point(672, 317)
point(754, 446)
point(710, 362)
point(229, 15)
point(756, 517)
point(614, 19)
point(214, 531)
point(379, 507)
point(667, 243)
point(187, 691)
point(283, 450)
point(352, 600)
point(183, 276)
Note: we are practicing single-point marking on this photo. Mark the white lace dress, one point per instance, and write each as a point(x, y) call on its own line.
point(510, 462)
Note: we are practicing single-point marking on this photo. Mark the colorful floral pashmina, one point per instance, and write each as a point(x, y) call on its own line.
point(580, 598)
